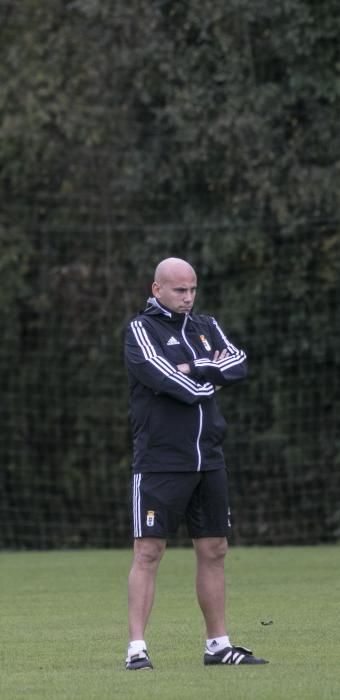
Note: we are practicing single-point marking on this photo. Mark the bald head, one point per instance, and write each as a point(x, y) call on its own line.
point(175, 284)
point(172, 266)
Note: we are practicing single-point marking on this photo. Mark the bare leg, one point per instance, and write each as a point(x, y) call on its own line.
point(148, 552)
point(210, 583)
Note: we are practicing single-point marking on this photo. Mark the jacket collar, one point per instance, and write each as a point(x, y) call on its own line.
point(155, 308)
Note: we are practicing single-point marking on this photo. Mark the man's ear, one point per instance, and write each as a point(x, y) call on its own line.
point(155, 289)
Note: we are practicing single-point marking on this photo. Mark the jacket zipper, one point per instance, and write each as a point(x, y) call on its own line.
point(200, 411)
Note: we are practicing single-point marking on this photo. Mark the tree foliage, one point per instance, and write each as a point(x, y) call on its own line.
point(130, 132)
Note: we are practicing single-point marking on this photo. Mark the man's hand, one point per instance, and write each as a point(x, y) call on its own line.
point(220, 355)
point(184, 368)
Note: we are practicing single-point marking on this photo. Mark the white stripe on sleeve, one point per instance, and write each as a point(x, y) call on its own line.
point(229, 345)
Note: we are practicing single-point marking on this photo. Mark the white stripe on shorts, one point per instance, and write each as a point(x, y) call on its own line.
point(137, 525)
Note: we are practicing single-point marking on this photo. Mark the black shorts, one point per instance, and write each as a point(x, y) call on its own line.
point(161, 501)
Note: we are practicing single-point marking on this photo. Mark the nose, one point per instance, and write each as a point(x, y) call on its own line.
point(188, 297)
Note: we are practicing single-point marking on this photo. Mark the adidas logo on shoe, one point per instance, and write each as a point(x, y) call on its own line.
point(231, 655)
point(173, 341)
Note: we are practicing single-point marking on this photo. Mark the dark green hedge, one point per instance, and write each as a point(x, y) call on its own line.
point(130, 132)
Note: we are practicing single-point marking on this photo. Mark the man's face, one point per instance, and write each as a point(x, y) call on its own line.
point(177, 290)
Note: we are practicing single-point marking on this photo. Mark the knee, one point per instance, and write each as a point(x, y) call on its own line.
point(213, 550)
point(219, 548)
point(148, 553)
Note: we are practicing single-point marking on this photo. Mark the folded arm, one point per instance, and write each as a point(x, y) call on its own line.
point(228, 363)
point(147, 363)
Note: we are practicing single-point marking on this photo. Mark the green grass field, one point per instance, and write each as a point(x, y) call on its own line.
point(63, 627)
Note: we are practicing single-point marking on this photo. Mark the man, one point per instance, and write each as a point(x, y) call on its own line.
point(176, 361)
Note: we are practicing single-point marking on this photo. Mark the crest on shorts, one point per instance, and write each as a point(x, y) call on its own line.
point(150, 518)
point(205, 342)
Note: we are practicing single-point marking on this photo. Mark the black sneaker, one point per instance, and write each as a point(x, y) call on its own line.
point(138, 662)
point(231, 655)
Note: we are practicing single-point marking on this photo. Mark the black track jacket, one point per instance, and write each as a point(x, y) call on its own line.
point(176, 422)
